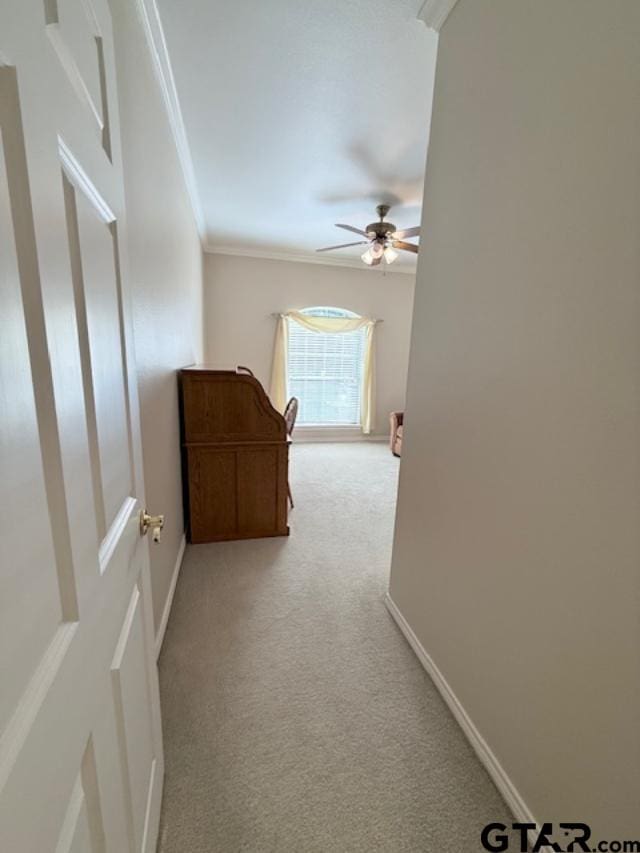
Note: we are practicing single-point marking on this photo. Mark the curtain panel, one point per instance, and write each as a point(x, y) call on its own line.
point(337, 325)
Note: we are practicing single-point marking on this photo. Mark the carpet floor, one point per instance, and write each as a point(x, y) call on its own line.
point(296, 718)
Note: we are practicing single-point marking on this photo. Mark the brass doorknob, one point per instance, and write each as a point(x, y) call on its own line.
point(153, 522)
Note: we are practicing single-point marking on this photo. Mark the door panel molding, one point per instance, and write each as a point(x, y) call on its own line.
point(14, 179)
point(16, 732)
point(81, 180)
point(55, 29)
point(129, 675)
point(115, 533)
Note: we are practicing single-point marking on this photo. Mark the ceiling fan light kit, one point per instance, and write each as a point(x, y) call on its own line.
point(382, 239)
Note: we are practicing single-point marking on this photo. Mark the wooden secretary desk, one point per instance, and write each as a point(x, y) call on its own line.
point(235, 454)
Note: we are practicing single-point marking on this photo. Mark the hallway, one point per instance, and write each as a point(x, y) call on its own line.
point(295, 715)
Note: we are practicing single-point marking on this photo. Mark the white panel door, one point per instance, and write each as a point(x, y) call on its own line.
point(81, 761)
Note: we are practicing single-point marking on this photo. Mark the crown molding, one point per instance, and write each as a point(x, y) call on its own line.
point(152, 25)
point(435, 12)
point(352, 263)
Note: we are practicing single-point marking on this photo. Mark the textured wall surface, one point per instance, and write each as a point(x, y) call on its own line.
point(517, 553)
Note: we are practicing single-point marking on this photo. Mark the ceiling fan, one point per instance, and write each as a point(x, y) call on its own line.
point(382, 239)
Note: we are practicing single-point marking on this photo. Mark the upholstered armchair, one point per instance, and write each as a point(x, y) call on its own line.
point(396, 432)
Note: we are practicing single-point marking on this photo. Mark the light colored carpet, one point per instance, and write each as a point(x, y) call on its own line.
point(296, 717)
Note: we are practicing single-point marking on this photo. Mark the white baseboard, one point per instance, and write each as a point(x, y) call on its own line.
point(162, 627)
point(303, 435)
point(482, 749)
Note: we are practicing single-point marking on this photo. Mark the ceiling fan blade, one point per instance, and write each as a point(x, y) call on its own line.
point(406, 232)
point(351, 228)
point(408, 247)
point(343, 246)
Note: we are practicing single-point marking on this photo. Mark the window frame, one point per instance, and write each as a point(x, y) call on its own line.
point(328, 311)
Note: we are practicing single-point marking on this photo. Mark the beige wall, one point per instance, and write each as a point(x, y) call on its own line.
point(165, 262)
point(517, 556)
point(242, 293)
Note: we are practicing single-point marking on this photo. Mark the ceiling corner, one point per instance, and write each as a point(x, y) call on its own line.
point(435, 12)
point(300, 257)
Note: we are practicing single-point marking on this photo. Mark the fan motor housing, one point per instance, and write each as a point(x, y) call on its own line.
point(381, 229)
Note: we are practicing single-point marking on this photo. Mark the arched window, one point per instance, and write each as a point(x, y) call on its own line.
point(325, 371)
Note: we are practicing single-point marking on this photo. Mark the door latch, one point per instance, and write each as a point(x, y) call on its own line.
point(155, 523)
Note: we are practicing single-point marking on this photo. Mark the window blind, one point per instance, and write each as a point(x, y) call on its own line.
point(325, 372)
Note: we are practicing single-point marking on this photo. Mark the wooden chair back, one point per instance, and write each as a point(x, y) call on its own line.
point(290, 414)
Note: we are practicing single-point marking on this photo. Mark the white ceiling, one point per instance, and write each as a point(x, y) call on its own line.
point(300, 114)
